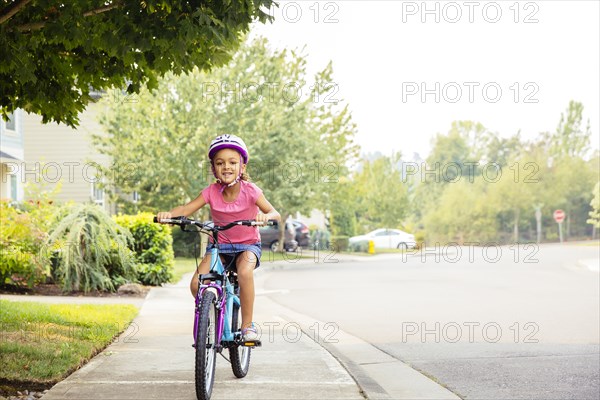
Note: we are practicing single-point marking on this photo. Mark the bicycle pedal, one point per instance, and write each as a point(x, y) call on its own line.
point(252, 343)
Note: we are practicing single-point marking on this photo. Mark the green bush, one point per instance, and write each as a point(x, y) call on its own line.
point(420, 239)
point(22, 236)
point(362, 246)
point(152, 245)
point(320, 239)
point(90, 250)
point(339, 243)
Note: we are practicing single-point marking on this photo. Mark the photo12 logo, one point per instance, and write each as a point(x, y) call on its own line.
point(453, 12)
point(469, 92)
point(271, 92)
point(471, 331)
point(317, 12)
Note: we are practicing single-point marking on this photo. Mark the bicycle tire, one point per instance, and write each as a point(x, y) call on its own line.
point(239, 355)
point(206, 352)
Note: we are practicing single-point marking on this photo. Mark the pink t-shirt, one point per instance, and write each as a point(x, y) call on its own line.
point(244, 207)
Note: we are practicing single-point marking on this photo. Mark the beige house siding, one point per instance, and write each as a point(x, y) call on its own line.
point(11, 155)
point(5, 183)
point(56, 153)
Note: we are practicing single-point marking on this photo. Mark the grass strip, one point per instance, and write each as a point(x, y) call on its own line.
point(43, 343)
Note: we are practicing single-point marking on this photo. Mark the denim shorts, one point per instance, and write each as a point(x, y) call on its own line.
point(231, 251)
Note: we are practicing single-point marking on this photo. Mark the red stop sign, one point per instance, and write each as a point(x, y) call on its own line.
point(559, 216)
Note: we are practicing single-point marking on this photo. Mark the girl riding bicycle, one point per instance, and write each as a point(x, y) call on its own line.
point(232, 197)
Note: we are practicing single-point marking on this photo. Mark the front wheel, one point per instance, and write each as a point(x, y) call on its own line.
point(239, 355)
point(206, 351)
point(402, 246)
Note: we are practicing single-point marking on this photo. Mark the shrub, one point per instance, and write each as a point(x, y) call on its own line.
point(420, 239)
point(91, 250)
point(22, 236)
point(319, 239)
point(152, 245)
point(362, 246)
point(339, 243)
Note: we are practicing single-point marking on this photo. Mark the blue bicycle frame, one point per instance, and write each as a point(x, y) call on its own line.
point(226, 297)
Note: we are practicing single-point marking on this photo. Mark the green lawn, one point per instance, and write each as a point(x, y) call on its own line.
point(182, 266)
point(43, 343)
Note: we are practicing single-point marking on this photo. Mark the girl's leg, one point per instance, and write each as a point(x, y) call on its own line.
point(245, 272)
point(203, 268)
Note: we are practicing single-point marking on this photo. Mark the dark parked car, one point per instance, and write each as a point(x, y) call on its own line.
point(269, 237)
point(302, 234)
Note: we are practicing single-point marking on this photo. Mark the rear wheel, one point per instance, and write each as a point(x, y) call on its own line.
point(206, 352)
point(239, 355)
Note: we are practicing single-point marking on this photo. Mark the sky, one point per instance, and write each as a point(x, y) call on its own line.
point(408, 69)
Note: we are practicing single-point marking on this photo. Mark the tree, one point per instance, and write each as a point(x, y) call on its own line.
point(595, 203)
point(343, 208)
point(380, 196)
point(572, 175)
point(464, 213)
point(299, 145)
point(55, 54)
point(454, 156)
point(571, 139)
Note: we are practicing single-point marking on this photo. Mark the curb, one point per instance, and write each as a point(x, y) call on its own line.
point(377, 374)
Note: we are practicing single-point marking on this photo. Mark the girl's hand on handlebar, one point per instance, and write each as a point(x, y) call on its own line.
point(163, 215)
point(260, 217)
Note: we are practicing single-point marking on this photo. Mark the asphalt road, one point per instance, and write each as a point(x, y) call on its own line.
point(487, 323)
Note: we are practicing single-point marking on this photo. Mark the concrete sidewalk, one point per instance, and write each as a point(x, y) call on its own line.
point(154, 359)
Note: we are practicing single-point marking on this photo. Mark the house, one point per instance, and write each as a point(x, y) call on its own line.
point(11, 156)
point(55, 154)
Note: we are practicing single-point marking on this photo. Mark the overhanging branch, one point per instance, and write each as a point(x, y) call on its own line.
point(34, 26)
point(12, 10)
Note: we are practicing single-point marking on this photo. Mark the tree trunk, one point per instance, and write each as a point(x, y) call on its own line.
point(568, 227)
point(282, 228)
point(538, 220)
point(516, 229)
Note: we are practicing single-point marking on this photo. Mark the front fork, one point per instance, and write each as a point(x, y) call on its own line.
point(219, 313)
point(224, 312)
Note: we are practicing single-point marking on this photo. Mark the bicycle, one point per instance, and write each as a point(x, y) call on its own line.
point(217, 312)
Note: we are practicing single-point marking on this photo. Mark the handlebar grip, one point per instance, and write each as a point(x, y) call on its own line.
point(155, 219)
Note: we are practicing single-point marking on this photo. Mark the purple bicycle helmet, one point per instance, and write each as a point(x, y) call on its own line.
point(228, 142)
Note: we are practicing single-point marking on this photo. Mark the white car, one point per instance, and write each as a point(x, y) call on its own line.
point(387, 239)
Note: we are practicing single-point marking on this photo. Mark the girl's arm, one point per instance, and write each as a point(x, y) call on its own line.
point(185, 210)
point(268, 211)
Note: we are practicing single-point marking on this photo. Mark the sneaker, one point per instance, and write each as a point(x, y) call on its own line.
point(249, 334)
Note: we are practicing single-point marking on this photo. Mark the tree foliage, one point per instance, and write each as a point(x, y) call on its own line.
point(379, 194)
point(54, 54)
point(298, 144)
point(595, 203)
point(497, 198)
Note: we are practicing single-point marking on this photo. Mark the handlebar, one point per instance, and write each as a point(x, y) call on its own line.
point(210, 226)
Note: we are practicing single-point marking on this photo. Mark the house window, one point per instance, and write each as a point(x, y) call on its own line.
point(97, 193)
point(13, 187)
point(136, 197)
point(11, 122)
